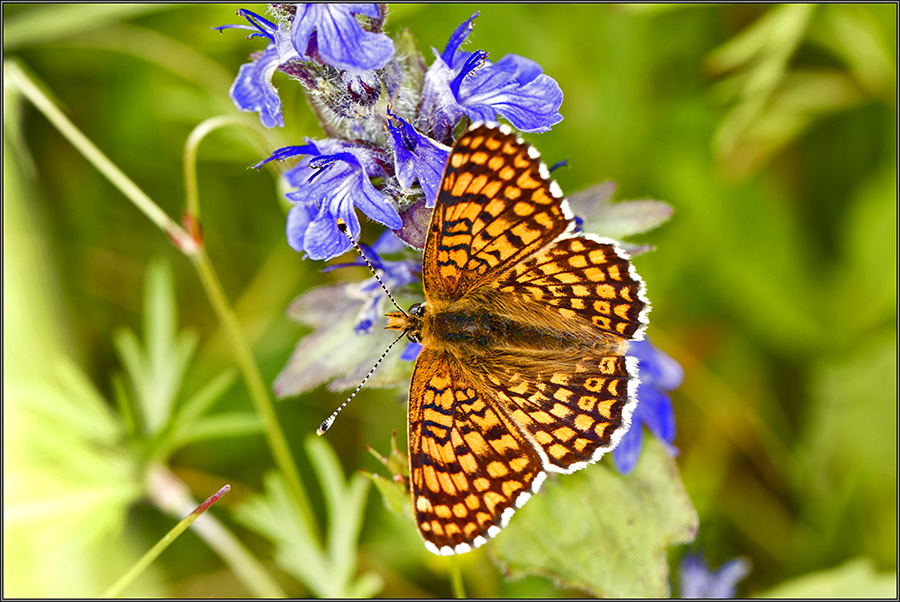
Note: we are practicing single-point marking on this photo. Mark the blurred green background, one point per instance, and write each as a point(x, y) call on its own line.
point(770, 129)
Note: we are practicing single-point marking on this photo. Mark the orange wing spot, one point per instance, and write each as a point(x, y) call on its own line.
point(496, 162)
point(470, 529)
point(467, 463)
point(625, 293)
point(621, 310)
point(595, 274)
point(526, 181)
point(577, 303)
point(452, 529)
point(580, 290)
point(523, 209)
point(580, 444)
point(481, 484)
point(425, 526)
point(562, 395)
point(437, 417)
point(472, 501)
point(463, 179)
point(483, 519)
point(476, 142)
point(613, 387)
point(519, 464)
point(605, 408)
point(459, 159)
point(446, 483)
point(476, 442)
point(577, 245)
point(528, 235)
point(563, 433)
point(597, 256)
point(460, 480)
point(437, 528)
point(522, 161)
point(540, 197)
point(510, 487)
point(431, 480)
point(614, 272)
point(496, 228)
point(558, 451)
point(507, 173)
point(497, 469)
point(458, 257)
point(491, 499)
point(519, 389)
point(567, 277)
point(460, 511)
point(602, 322)
point(587, 403)
point(543, 437)
point(594, 384)
point(442, 511)
point(606, 291)
point(479, 158)
point(504, 443)
point(495, 207)
point(477, 184)
point(491, 190)
point(512, 193)
point(423, 504)
point(608, 365)
point(543, 417)
point(601, 307)
point(510, 149)
point(578, 261)
point(583, 422)
point(600, 429)
point(492, 143)
point(560, 411)
point(560, 378)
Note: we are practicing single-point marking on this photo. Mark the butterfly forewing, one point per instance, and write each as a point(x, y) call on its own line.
point(496, 205)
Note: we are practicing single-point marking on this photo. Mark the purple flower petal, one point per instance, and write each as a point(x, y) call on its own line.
point(341, 41)
point(418, 158)
point(627, 452)
point(252, 90)
point(697, 581)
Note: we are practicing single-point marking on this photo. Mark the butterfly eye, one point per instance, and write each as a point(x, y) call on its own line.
point(414, 336)
point(417, 310)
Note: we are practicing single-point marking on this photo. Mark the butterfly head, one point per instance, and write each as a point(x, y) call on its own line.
point(410, 322)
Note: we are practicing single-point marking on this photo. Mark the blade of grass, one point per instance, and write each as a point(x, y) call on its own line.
point(154, 552)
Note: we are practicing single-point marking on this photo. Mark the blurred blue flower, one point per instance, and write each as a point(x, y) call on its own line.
point(394, 274)
point(332, 179)
point(417, 157)
point(697, 581)
point(658, 373)
point(340, 41)
point(463, 84)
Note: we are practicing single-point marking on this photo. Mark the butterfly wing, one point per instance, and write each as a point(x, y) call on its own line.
point(497, 205)
point(470, 467)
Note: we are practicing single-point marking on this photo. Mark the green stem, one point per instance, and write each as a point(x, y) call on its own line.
point(15, 75)
point(151, 555)
point(258, 392)
point(456, 580)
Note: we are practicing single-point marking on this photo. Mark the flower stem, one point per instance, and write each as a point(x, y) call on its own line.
point(14, 74)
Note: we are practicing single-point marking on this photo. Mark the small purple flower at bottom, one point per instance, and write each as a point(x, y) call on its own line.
point(394, 274)
point(697, 581)
point(658, 373)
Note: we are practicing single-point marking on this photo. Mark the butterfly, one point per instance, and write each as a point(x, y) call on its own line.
point(524, 331)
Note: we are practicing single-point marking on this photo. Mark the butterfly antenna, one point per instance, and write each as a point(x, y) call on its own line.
point(326, 424)
point(342, 226)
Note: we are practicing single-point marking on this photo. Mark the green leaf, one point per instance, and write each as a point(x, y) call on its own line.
point(617, 220)
point(603, 532)
point(854, 579)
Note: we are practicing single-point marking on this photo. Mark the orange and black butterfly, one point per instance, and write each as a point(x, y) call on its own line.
point(525, 329)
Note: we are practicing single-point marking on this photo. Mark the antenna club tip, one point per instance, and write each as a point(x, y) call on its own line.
point(323, 427)
point(342, 225)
